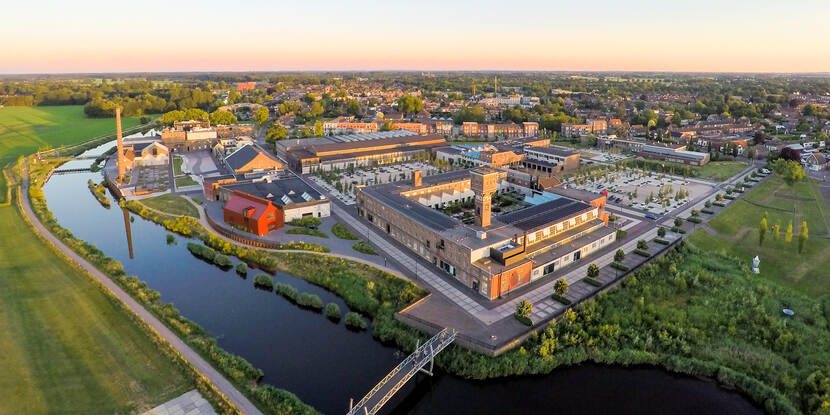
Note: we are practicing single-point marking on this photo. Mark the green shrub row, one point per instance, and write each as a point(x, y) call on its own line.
point(661, 241)
point(524, 320)
point(355, 321)
point(591, 281)
point(694, 219)
point(343, 232)
point(719, 204)
point(561, 299)
point(290, 293)
point(264, 281)
point(708, 211)
point(307, 231)
point(364, 247)
point(677, 229)
point(309, 221)
point(642, 253)
point(621, 267)
point(310, 301)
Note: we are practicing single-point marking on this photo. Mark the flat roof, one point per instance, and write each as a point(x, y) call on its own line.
point(293, 188)
point(537, 216)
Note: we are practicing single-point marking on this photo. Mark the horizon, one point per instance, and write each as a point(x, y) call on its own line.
point(739, 37)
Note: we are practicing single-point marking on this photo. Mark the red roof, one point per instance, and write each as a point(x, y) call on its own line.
point(242, 202)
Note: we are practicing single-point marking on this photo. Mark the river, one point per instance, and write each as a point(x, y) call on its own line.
point(324, 363)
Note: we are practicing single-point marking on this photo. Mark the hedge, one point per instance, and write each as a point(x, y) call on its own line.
point(694, 219)
point(707, 211)
point(619, 266)
point(310, 301)
point(287, 291)
point(591, 281)
point(342, 232)
point(661, 241)
point(355, 321)
point(264, 281)
point(524, 320)
point(641, 252)
point(561, 299)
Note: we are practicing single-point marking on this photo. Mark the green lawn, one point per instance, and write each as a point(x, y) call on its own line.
point(185, 181)
point(65, 346)
point(24, 130)
point(737, 233)
point(172, 204)
point(719, 171)
point(307, 231)
point(177, 165)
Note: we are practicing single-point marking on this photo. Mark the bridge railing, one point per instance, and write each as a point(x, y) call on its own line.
point(432, 346)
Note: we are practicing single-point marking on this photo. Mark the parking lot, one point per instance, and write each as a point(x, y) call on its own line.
point(344, 185)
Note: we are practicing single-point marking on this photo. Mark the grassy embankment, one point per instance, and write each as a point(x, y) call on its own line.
point(172, 204)
point(25, 130)
point(68, 346)
point(736, 231)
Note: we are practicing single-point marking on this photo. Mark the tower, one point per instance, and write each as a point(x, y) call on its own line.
point(484, 182)
point(120, 160)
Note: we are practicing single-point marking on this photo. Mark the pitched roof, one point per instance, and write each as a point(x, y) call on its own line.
point(241, 156)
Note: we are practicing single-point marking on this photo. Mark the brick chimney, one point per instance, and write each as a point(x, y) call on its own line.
point(121, 163)
point(417, 178)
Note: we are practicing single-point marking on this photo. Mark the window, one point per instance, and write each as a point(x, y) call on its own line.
point(427, 243)
point(549, 268)
point(577, 255)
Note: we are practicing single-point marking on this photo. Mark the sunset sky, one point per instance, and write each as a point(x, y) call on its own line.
point(704, 35)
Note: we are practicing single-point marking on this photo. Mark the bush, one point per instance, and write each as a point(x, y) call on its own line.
point(678, 221)
point(561, 299)
point(171, 239)
point(642, 244)
point(355, 321)
point(306, 222)
point(592, 281)
point(678, 230)
point(593, 271)
point(310, 301)
point(242, 268)
point(661, 241)
point(222, 261)
point(524, 320)
point(201, 251)
point(707, 211)
point(619, 255)
point(642, 253)
point(661, 231)
point(619, 266)
point(290, 293)
point(364, 247)
point(694, 219)
point(332, 312)
point(264, 281)
point(342, 232)
point(307, 231)
point(524, 308)
point(730, 197)
point(719, 204)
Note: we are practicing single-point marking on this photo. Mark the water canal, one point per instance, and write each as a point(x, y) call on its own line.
point(324, 363)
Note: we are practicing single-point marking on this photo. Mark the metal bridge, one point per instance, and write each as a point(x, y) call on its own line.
point(394, 381)
point(67, 171)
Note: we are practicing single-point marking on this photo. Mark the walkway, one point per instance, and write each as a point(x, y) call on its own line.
point(222, 384)
point(191, 403)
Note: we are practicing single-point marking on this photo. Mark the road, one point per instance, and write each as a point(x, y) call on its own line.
point(222, 384)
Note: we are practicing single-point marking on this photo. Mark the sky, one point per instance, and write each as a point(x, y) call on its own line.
point(258, 35)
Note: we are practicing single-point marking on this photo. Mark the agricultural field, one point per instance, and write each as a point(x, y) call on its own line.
point(736, 231)
point(24, 130)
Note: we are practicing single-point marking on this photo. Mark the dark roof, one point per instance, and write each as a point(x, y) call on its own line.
point(402, 141)
point(241, 157)
point(551, 150)
point(531, 218)
point(139, 147)
point(389, 194)
point(292, 187)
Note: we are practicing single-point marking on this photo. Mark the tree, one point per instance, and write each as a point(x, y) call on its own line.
point(678, 221)
point(762, 230)
point(791, 171)
point(802, 236)
point(353, 107)
point(195, 114)
point(661, 232)
point(318, 128)
point(593, 271)
point(276, 132)
point(261, 115)
point(619, 255)
point(222, 117)
point(469, 114)
point(776, 232)
point(410, 104)
point(560, 287)
point(172, 116)
point(524, 308)
point(788, 235)
point(642, 244)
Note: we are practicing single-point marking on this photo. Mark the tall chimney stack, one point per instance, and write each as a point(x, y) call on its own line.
point(121, 167)
point(484, 182)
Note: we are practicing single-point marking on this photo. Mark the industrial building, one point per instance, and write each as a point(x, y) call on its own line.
point(497, 253)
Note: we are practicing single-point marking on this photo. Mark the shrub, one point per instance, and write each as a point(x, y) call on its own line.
point(364, 247)
point(619, 255)
point(642, 244)
point(661, 231)
point(719, 204)
point(593, 271)
point(560, 287)
point(641, 252)
point(524, 308)
point(264, 281)
point(524, 320)
point(707, 211)
point(695, 212)
point(694, 219)
point(307, 231)
point(242, 268)
point(171, 239)
point(290, 293)
point(201, 251)
point(355, 321)
point(310, 301)
point(730, 197)
point(332, 312)
point(678, 230)
point(342, 232)
point(678, 221)
point(306, 222)
point(561, 299)
point(222, 261)
point(592, 281)
point(661, 241)
point(619, 266)
point(708, 203)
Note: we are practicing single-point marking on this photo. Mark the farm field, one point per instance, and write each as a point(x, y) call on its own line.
point(736, 232)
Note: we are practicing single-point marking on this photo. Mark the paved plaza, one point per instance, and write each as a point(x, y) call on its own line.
point(191, 403)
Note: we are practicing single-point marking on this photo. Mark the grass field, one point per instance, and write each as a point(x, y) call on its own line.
point(736, 232)
point(177, 165)
point(24, 130)
point(172, 204)
point(185, 181)
point(66, 347)
point(719, 171)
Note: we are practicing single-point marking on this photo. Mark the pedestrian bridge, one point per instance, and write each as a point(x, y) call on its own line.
point(394, 381)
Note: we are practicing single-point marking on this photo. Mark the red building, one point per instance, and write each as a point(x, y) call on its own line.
point(254, 214)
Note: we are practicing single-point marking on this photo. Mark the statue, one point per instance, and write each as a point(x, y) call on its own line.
point(755, 262)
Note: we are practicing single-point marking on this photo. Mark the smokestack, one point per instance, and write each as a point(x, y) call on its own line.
point(417, 178)
point(483, 182)
point(121, 167)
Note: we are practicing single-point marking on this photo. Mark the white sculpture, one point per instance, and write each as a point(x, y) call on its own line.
point(755, 262)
